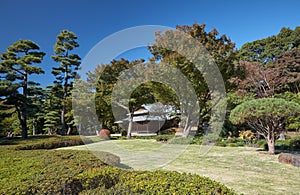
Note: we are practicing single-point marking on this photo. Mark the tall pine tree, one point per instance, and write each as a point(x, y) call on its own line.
point(66, 41)
point(15, 67)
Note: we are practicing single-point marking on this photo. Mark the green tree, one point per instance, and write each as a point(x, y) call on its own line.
point(221, 49)
point(266, 115)
point(51, 108)
point(268, 49)
point(66, 41)
point(15, 68)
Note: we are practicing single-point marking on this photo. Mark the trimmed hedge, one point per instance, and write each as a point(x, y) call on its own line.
point(47, 171)
point(109, 181)
point(43, 142)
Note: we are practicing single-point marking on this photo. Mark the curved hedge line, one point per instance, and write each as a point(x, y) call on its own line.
point(110, 180)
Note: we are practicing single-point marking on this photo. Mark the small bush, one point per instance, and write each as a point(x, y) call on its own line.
point(164, 138)
point(104, 134)
point(261, 143)
point(295, 143)
point(116, 181)
point(221, 144)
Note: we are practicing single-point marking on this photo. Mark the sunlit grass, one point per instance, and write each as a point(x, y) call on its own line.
point(244, 169)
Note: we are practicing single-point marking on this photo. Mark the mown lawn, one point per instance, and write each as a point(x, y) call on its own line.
point(246, 170)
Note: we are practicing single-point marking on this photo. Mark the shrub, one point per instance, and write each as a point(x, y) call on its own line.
point(146, 182)
point(247, 135)
point(104, 134)
point(51, 144)
point(164, 138)
point(261, 143)
point(47, 172)
point(220, 143)
point(295, 143)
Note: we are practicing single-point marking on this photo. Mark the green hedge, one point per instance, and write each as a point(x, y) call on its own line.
point(47, 171)
point(109, 181)
point(42, 142)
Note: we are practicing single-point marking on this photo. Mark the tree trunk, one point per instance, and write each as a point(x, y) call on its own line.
point(63, 125)
point(130, 127)
point(271, 146)
point(187, 127)
point(69, 130)
point(24, 109)
point(33, 129)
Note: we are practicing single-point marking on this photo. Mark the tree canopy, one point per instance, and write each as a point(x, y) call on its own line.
point(266, 115)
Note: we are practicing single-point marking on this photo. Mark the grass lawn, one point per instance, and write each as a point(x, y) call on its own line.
point(243, 169)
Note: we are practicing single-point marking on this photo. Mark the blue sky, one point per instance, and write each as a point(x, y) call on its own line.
point(93, 20)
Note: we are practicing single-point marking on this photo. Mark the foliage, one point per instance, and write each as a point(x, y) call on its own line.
point(46, 172)
point(15, 68)
point(104, 134)
point(268, 49)
point(293, 123)
point(69, 63)
point(247, 135)
point(279, 76)
point(222, 50)
point(266, 115)
point(42, 142)
point(115, 181)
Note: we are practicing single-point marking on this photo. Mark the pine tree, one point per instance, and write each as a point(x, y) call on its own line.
point(68, 65)
point(15, 68)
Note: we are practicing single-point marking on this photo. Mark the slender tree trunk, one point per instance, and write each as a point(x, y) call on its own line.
point(130, 126)
point(69, 130)
point(63, 124)
point(33, 129)
point(24, 108)
point(271, 146)
point(187, 127)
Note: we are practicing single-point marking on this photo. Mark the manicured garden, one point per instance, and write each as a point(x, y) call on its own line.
point(28, 168)
point(246, 170)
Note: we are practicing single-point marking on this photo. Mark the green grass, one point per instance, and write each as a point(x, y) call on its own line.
point(244, 169)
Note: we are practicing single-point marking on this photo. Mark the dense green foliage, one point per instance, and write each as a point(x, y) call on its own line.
point(15, 68)
point(45, 171)
point(118, 181)
point(267, 116)
point(268, 49)
point(69, 63)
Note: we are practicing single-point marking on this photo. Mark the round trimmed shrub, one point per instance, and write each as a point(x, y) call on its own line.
point(104, 134)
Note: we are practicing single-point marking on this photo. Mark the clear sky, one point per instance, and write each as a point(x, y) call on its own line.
point(93, 20)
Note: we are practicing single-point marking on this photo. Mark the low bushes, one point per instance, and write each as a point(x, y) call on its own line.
point(116, 181)
point(46, 171)
point(43, 142)
point(104, 134)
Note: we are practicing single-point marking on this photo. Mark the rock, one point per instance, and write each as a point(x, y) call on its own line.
point(292, 159)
